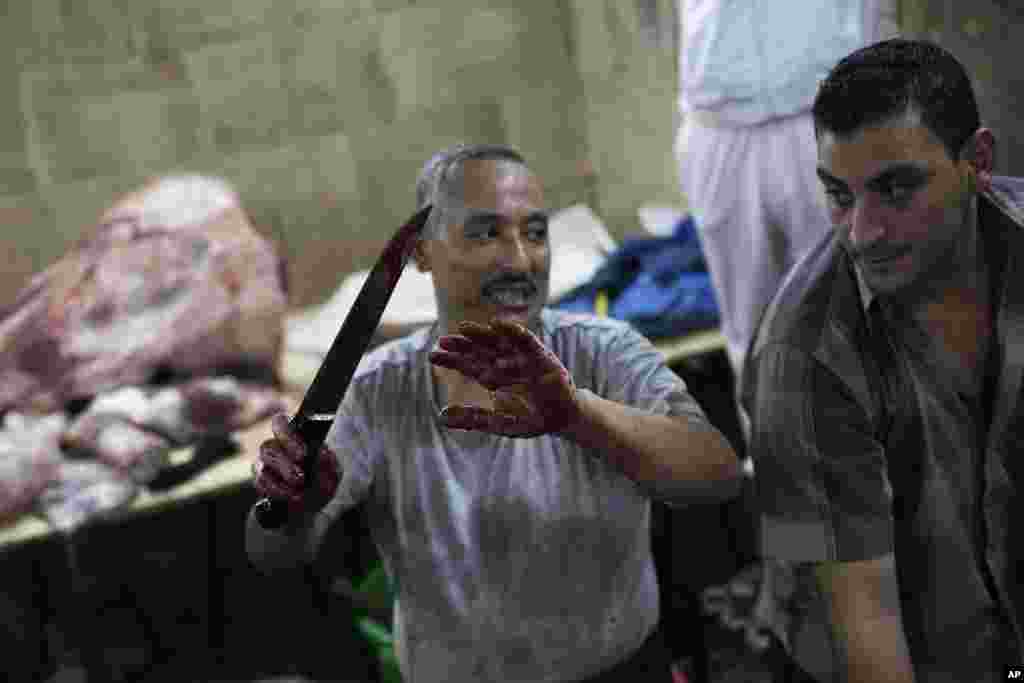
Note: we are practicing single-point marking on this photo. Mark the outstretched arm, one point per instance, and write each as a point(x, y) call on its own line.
point(534, 394)
point(672, 456)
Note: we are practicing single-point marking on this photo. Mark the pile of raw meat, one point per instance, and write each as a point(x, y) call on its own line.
point(163, 326)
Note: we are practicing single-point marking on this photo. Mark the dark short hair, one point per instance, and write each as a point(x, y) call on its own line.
point(894, 77)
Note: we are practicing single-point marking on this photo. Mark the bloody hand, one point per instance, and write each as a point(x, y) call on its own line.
point(533, 392)
point(278, 470)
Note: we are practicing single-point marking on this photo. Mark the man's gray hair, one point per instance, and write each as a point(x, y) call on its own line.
point(440, 181)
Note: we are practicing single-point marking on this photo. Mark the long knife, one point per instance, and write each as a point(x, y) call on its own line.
point(316, 413)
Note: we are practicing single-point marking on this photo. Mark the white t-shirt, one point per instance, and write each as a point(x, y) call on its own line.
point(511, 559)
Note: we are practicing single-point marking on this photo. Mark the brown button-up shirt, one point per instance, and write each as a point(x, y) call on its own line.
point(866, 443)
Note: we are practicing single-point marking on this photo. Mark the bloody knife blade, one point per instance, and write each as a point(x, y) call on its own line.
point(315, 414)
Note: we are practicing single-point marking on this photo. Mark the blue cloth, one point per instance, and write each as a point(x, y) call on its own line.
point(660, 285)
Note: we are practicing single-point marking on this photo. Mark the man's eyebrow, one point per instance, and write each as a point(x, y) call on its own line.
point(476, 215)
point(479, 215)
point(899, 171)
point(906, 172)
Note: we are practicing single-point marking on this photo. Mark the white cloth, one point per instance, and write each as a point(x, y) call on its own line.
point(758, 205)
point(512, 559)
point(753, 60)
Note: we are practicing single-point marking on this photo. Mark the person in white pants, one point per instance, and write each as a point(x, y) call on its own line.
point(749, 70)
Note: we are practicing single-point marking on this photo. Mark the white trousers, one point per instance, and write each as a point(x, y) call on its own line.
point(758, 205)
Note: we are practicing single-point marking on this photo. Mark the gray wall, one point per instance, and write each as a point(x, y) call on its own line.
point(320, 111)
point(988, 37)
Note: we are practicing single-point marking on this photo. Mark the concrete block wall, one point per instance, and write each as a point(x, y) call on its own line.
point(986, 36)
point(320, 112)
point(627, 64)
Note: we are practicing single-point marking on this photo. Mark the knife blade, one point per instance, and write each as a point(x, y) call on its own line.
point(315, 414)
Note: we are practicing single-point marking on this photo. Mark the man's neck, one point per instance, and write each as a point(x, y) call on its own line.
point(959, 314)
point(965, 282)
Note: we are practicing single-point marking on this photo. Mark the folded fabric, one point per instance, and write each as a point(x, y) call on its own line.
point(658, 284)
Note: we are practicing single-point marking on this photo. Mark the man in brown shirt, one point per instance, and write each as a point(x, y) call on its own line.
point(886, 377)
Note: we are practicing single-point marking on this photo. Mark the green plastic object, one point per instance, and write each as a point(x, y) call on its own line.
point(376, 587)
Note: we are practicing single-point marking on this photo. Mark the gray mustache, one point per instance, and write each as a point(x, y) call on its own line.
point(529, 287)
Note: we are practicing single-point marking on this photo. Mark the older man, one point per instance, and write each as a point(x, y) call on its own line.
point(885, 386)
point(507, 457)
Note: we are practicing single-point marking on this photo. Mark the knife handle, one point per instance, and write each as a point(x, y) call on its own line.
point(273, 513)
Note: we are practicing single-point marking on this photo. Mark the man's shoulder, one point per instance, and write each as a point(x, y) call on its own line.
point(574, 335)
point(395, 358)
point(819, 290)
point(556, 323)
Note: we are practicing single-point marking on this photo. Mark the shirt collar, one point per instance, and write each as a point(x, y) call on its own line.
point(866, 295)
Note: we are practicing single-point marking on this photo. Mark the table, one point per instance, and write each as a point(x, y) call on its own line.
point(224, 474)
point(691, 345)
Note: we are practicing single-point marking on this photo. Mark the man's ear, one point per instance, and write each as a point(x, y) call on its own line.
point(421, 255)
point(981, 155)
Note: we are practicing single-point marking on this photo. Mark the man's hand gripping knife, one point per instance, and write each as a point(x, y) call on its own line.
point(279, 475)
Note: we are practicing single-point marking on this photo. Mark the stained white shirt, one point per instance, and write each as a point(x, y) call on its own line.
point(511, 559)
